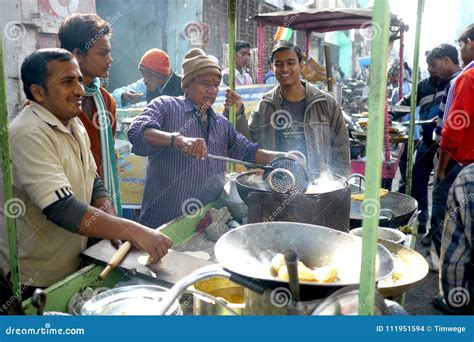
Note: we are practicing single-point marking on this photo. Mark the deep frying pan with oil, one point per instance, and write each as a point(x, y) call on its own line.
point(249, 249)
point(395, 210)
point(245, 255)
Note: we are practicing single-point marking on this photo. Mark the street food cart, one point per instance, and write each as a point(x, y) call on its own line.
point(338, 19)
point(242, 260)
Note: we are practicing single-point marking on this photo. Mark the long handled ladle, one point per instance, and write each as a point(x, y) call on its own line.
point(283, 174)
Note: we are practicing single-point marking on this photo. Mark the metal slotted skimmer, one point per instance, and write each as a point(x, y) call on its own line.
point(281, 175)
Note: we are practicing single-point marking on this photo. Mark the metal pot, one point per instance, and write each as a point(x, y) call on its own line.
point(345, 302)
point(217, 297)
point(316, 208)
point(130, 300)
point(232, 200)
point(395, 210)
point(387, 234)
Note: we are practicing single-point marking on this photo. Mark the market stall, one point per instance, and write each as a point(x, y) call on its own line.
point(338, 19)
point(245, 254)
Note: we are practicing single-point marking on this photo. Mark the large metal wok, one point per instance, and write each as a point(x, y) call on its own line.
point(248, 251)
point(245, 255)
point(396, 210)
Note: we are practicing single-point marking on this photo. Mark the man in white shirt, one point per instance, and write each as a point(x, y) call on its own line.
point(242, 58)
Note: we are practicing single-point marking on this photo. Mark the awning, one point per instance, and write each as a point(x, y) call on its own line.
point(322, 20)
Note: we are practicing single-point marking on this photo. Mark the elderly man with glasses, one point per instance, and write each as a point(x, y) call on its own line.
point(176, 134)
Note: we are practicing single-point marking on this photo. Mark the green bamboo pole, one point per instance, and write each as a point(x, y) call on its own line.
point(8, 181)
point(231, 18)
point(373, 170)
point(414, 94)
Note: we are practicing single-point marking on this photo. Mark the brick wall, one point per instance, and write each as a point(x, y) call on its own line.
point(215, 15)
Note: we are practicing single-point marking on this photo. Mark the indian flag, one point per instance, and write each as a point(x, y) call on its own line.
point(283, 33)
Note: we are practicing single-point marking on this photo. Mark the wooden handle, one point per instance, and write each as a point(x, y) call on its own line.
point(116, 259)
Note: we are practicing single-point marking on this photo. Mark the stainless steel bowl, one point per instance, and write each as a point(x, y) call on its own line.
point(136, 300)
point(387, 234)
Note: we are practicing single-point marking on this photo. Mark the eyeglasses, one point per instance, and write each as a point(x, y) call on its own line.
point(207, 85)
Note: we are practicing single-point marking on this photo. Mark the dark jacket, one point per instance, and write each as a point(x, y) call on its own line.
point(326, 136)
point(172, 88)
point(428, 98)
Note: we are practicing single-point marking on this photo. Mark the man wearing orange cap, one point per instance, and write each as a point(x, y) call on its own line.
point(158, 79)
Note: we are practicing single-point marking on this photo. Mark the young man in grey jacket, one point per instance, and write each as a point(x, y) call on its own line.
point(295, 115)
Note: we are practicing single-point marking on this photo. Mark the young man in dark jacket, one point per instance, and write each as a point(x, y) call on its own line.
point(295, 115)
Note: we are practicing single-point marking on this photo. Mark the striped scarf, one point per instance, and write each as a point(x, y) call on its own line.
point(107, 150)
point(452, 90)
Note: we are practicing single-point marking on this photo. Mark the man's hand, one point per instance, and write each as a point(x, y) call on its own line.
point(298, 156)
point(434, 121)
point(441, 175)
point(444, 157)
point(192, 147)
point(131, 96)
point(116, 243)
point(232, 98)
point(154, 243)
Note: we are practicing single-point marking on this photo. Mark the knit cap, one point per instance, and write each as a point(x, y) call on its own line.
point(197, 63)
point(157, 61)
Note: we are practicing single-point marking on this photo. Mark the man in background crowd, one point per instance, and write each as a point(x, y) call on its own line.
point(158, 79)
point(242, 58)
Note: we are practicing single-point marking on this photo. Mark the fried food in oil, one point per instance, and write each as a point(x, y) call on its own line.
point(361, 197)
point(325, 274)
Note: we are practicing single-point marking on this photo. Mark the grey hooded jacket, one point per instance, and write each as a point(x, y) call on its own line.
point(326, 135)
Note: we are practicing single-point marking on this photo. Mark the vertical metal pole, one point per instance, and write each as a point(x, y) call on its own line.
point(327, 57)
point(8, 182)
point(306, 43)
point(260, 52)
point(371, 204)
point(414, 95)
point(231, 21)
point(400, 65)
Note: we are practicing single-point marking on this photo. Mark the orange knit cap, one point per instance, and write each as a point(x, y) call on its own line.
point(157, 61)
